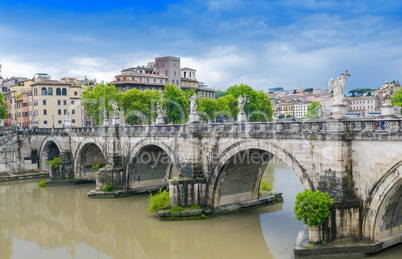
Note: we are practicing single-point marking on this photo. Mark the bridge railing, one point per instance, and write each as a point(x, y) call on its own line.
point(301, 126)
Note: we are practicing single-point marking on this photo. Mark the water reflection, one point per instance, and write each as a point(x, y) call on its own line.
point(60, 222)
point(63, 222)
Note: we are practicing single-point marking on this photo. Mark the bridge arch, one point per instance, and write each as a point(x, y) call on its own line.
point(151, 163)
point(89, 152)
point(382, 214)
point(49, 149)
point(226, 167)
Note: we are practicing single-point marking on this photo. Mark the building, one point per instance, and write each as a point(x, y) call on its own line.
point(17, 103)
point(189, 82)
point(285, 109)
point(275, 89)
point(363, 105)
point(170, 68)
point(52, 98)
point(300, 110)
point(137, 79)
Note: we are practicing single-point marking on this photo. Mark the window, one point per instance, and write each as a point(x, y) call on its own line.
point(185, 73)
point(172, 81)
point(165, 73)
point(59, 122)
point(64, 91)
point(59, 112)
point(58, 102)
point(44, 92)
point(73, 111)
point(177, 82)
point(124, 89)
point(165, 64)
point(73, 120)
point(64, 102)
point(75, 93)
point(72, 102)
point(174, 73)
point(44, 112)
point(44, 102)
point(65, 111)
point(45, 122)
point(58, 91)
point(50, 91)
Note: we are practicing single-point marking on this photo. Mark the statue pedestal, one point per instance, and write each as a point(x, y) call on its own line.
point(67, 123)
point(116, 121)
point(105, 123)
point(160, 120)
point(34, 124)
point(338, 110)
point(194, 117)
point(387, 110)
point(241, 117)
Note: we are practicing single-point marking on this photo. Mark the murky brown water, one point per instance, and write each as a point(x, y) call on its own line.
point(60, 222)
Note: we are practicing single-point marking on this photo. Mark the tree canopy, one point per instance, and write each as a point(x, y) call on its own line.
point(176, 103)
point(219, 93)
point(397, 99)
point(308, 90)
point(359, 91)
point(313, 110)
point(98, 98)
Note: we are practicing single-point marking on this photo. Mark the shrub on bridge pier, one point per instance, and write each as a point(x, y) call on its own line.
point(312, 207)
point(158, 201)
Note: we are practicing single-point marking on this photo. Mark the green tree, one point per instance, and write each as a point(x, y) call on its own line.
point(308, 90)
point(397, 99)
point(139, 106)
point(3, 108)
point(226, 106)
point(281, 116)
point(207, 108)
point(176, 103)
point(359, 91)
point(288, 116)
point(313, 110)
point(98, 98)
point(219, 93)
point(312, 208)
point(295, 92)
point(259, 103)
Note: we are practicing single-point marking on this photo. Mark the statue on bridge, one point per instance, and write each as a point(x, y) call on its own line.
point(159, 110)
point(115, 110)
point(242, 103)
point(388, 91)
point(338, 87)
point(193, 103)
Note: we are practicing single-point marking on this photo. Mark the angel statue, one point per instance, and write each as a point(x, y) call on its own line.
point(338, 86)
point(115, 110)
point(159, 110)
point(388, 91)
point(242, 102)
point(193, 103)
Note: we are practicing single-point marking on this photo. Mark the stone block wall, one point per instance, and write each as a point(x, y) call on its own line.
point(187, 192)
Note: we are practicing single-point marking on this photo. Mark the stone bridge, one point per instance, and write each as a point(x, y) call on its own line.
point(358, 162)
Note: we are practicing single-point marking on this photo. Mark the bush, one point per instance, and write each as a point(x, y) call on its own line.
point(175, 209)
point(312, 208)
point(265, 186)
point(159, 201)
point(42, 184)
point(55, 162)
point(108, 188)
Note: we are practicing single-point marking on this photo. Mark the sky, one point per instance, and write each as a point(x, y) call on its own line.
point(263, 44)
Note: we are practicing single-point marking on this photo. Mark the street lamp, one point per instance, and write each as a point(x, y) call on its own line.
point(53, 120)
point(248, 104)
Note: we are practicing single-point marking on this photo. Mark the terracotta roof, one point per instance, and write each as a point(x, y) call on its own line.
point(187, 68)
point(135, 83)
point(142, 75)
point(50, 82)
point(188, 79)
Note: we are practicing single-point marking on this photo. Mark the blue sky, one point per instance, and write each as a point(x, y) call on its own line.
point(264, 44)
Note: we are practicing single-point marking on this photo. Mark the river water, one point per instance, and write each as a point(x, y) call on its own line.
point(60, 222)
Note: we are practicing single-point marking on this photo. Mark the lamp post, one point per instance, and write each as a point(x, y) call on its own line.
point(248, 104)
point(53, 120)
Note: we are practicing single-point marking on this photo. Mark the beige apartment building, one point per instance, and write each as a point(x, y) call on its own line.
point(18, 103)
point(363, 105)
point(50, 101)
